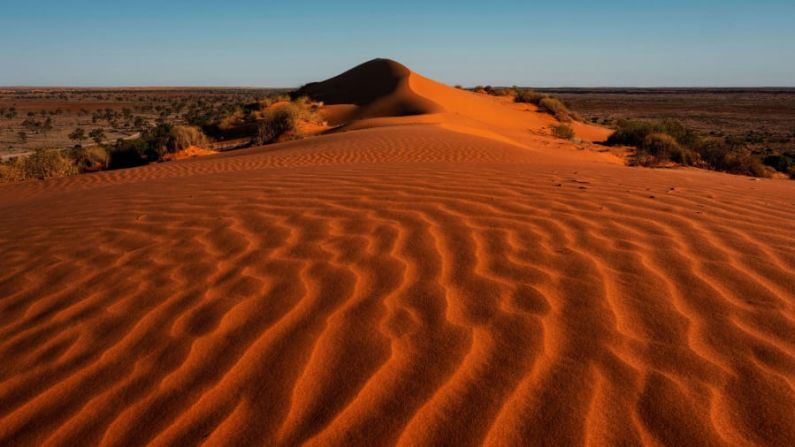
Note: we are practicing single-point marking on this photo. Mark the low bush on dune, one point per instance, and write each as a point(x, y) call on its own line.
point(635, 132)
point(44, 164)
point(665, 142)
point(154, 144)
point(495, 91)
point(150, 147)
point(780, 162)
point(563, 131)
point(276, 123)
point(268, 120)
point(41, 164)
point(286, 120)
point(130, 153)
point(730, 156)
point(483, 90)
point(661, 148)
point(229, 121)
point(10, 171)
point(528, 96)
point(546, 103)
point(556, 108)
point(503, 91)
point(7, 175)
point(89, 159)
point(186, 136)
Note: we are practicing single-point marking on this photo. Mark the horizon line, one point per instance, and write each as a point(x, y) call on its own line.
point(255, 87)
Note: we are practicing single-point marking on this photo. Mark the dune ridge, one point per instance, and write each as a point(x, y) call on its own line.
point(383, 92)
point(399, 284)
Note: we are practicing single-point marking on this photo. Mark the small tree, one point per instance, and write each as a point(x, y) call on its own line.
point(31, 125)
point(78, 135)
point(98, 135)
point(46, 126)
point(139, 123)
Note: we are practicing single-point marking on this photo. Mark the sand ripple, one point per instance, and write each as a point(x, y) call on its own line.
point(412, 286)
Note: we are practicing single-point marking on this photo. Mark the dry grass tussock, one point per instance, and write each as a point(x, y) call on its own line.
point(41, 164)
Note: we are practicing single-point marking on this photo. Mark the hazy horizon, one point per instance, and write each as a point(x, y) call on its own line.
point(619, 44)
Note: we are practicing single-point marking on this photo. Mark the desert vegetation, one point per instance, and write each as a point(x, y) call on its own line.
point(563, 131)
point(46, 118)
point(88, 159)
point(41, 164)
point(186, 136)
point(261, 120)
point(276, 123)
point(761, 120)
point(660, 143)
point(106, 129)
point(546, 103)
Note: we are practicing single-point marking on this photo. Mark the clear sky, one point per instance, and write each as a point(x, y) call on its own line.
point(288, 43)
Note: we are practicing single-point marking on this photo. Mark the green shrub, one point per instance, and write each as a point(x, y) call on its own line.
point(98, 135)
point(779, 162)
point(78, 135)
point(153, 144)
point(563, 131)
point(528, 96)
point(743, 162)
point(659, 142)
point(659, 148)
point(276, 123)
point(634, 133)
point(129, 153)
point(504, 91)
point(730, 156)
point(159, 141)
point(683, 135)
point(556, 108)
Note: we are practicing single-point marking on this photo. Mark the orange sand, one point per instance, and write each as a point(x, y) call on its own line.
point(439, 271)
point(189, 152)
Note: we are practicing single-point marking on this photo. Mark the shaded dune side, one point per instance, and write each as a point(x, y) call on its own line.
point(410, 286)
point(379, 87)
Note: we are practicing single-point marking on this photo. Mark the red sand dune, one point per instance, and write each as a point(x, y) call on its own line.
point(439, 271)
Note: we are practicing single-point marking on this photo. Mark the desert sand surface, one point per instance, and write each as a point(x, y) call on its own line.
point(438, 270)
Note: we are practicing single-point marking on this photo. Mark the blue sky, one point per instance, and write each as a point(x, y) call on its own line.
point(288, 43)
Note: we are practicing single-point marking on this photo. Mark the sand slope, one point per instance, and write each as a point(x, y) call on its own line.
point(425, 281)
